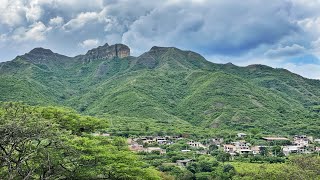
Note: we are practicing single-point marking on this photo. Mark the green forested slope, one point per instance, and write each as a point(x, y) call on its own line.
point(167, 85)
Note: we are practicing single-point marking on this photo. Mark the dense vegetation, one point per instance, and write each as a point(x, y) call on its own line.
point(55, 143)
point(165, 91)
point(167, 85)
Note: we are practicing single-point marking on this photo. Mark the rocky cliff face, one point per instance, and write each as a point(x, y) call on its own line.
point(108, 52)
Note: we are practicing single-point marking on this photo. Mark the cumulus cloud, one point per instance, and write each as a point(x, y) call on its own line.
point(34, 11)
point(12, 12)
point(35, 32)
point(89, 43)
point(57, 21)
point(81, 20)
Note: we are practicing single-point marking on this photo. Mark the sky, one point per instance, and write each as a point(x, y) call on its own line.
point(278, 33)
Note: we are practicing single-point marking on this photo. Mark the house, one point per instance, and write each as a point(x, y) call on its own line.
point(153, 149)
point(242, 147)
point(301, 140)
point(176, 138)
point(243, 151)
point(229, 148)
point(292, 149)
point(161, 140)
point(136, 147)
point(216, 141)
point(202, 152)
point(241, 135)
point(194, 144)
point(184, 162)
point(185, 150)
point(255, 150)
point(148, 139)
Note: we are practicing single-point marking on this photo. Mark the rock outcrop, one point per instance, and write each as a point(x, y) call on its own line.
point(108, 52)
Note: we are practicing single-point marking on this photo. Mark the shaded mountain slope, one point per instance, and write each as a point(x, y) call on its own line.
point(167, 85)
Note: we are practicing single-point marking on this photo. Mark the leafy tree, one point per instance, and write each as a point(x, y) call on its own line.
point(38, 145)
point(264, 151)
point(213, 147)
point(30, 145)
point(223, 156)
point(277, 151)
point(203, 176)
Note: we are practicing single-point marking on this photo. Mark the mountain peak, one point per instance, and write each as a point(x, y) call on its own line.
point(40, 54)
point(106, 52)
point(41, 51)
point(158, 48)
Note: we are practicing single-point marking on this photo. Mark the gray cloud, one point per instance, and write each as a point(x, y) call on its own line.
point(286, 51)
point(214, 27)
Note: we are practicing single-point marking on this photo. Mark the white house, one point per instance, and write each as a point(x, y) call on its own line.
point(195, 144)
point(301, 140)
point(184, 162)
point(161, 140)
point(292, 149)
point(152, 149)
point(255, 150)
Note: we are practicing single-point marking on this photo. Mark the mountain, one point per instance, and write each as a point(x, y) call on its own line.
point(165, 86)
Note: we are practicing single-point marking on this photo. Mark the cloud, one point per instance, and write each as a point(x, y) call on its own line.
point(57, 21)
point(307, 70)
point(286, 51)
point(81, 20)
point(12, 12)
point(35, 32)
point(210, 29)
point(34, 11)
point(3, 37)
point(89, 43)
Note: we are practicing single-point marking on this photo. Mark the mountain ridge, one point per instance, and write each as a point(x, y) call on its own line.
point(165, 84)
point(154, 48)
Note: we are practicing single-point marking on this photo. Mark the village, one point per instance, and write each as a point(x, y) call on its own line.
point(298, 144)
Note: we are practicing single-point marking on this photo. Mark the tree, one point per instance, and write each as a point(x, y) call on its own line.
point(41, 143)
point(223, 157)
point(213, 147)
point(264, 151)
point(225, 172)
point(277, 151)
point(30, 146)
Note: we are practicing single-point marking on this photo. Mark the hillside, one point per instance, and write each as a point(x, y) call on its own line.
point(165, 86)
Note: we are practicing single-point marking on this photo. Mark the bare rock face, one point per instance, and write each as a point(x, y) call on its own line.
point(108, 52)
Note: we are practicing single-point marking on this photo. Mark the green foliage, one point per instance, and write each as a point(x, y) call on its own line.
point(203, 164)
point(169, 91)
point(69, 120)
point(222, 156)
point(298, 167)
point(53, 143)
